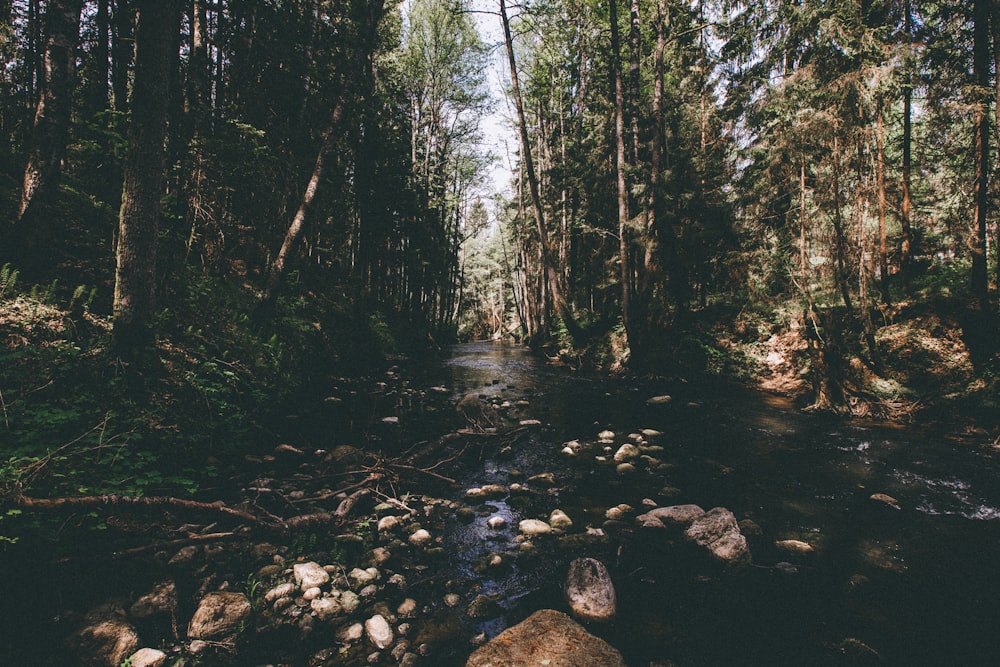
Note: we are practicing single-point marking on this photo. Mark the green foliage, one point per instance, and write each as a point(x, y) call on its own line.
point(8, 280)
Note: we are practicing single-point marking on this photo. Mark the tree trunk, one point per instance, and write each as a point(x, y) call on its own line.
point(838, 229)
point(101, 59)
point(906, 246)
point(122, 53)
point(883, 245)
point(981, 74)
point(552, 277)
point(138, 226)
point(634, 78)
point(623, 208)
point(55, 103)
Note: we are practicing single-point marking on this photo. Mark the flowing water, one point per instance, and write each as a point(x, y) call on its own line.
point(907, 586)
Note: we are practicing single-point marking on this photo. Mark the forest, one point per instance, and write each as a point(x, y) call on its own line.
point(231, 225)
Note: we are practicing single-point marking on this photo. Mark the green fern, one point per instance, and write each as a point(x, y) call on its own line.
point(8, 280)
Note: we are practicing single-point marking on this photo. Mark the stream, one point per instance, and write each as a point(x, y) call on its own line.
point(913, 585)
point(902, 525)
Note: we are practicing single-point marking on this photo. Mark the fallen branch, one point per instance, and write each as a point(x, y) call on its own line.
point(180, 542)
point(87, 502)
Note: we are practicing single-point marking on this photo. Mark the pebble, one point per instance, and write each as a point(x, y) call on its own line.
point(532, 527)
point(310, 574)
point(452, 599)
point(407, 608)
point(495, 522)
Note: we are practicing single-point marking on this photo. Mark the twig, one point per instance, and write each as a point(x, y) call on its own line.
point(181, 542)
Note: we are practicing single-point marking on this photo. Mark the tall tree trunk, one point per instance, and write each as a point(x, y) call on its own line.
point(883, 244)
point(623, 208)
point(55, 103)
point(838, 229)
point(981, 74)
point(906, 246)
point(122, 52)
point(98, 96)
point(634, 77)
point(138, 225)
point(552, 276)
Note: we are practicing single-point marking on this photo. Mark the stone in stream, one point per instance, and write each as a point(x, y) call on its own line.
point(486, 491)
point(219, 616)
point(590, 591)
point(795, 546)
point(659, 400)
point(420, 538)
point(717, 531)
point(547, 637)
point(533, 527)
point(310, 574)
point(626, 452)
point(673, 516)
point(885, 499)
point(559, 521)
point(379, 632)
point(106, 643)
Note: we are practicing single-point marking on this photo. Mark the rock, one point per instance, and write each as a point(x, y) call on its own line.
point(387, 523)
point(625, 469)
point(483, 607)
point(667, 517)
point(379, 632)
point(618, 512)
point(309, 575)
point(452, 599)
point(590, 591)
point(349, 601)
point(547, 637)
point(496, 522)
point(606, 435)
point(287, 450)
point(161, 600)
point(420, 537)
point(486, 491)
point(885, 499)
point(559, 521)
point(543, 479)
point(278, 592)
point(390, 420)
point(795, 546)
point(529, 422)
point(326, 608)
point(107, 643)
point(465, 514)
point(407, 608)
point(360, 578)
point(147, 657)
point(219, 616)
point(626, 452)
point(659, 400)
point(312, 593)
point(717, 531)
point(568, 451)
point(532, 527)
point(651, 432)
point(351, 633)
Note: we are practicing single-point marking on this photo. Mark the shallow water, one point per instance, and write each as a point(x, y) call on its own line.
point(914, 585)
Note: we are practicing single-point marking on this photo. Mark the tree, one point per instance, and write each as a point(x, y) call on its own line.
point(54, 109)
point(138, 226)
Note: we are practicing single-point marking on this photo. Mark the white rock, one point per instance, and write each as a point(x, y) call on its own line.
point(452, 599)
point(626, 452)
point(312, 593)
point(496, 522)
point(379, 632)
point(388, 523)
point(326, 608)
point(364, 577)
point(606, 435)
point(349, 601)
point(559, 521)
point(420, 538)
point(659, 400)
point(309, 575)
point(352, 633)
point(651, 432)
point(717, 531)
point(278, 592)
point(530, 422)
point(407, 608)
point(532, 527)
point(148, 657)
point(568, 451)
point(390, 420)
point(795, 546)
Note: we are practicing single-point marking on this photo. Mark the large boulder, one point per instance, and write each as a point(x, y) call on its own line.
point(547, 637)
point(219, 616)
point(590, 591)
point(718, 531)
point(106, 643)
